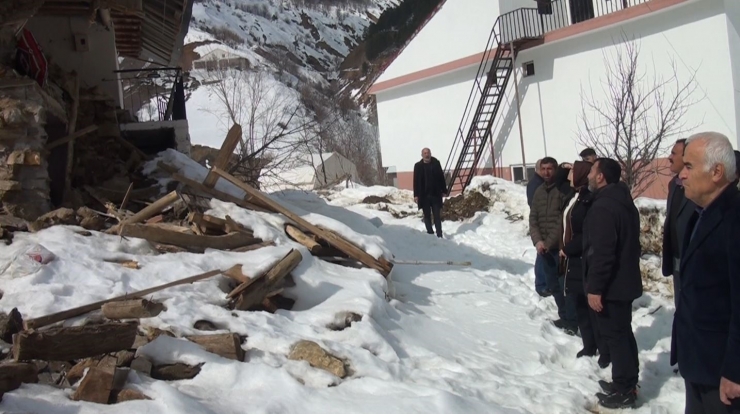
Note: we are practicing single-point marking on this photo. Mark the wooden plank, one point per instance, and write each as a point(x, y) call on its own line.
point(235, 272)
point(295, 234)
point(218, 194)
point(255, 291)
point(192, 242)
point(132, 309)
point(226, 345)
point(71, 137)
point(233, 137)
point(346, 247)
point(153, 209)
point(77, 342)
point(72, 130)
point(81, 310)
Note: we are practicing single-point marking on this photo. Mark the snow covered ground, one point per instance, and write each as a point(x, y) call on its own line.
point(473, 339)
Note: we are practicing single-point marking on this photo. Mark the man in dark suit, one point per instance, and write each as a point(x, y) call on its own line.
point(678, 212)
point(611, 269)
point(429, 188)
point(706, 326)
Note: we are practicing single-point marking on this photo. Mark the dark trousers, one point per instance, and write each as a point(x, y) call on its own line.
point(588, 324)
point(548, 266)
point(615, 326)
point(432, 206)
point(704, 399)
point(676, 286)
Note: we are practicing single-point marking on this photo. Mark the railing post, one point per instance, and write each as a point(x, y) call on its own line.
point(518, 103)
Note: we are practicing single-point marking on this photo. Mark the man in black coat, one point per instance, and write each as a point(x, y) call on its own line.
point(678, 212)
point(429, 188)
point(535, 181)
point(611, 262)
point(706, 325)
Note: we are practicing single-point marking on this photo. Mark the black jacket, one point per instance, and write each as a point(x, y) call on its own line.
point(611, 245)
point(574, 249)
point(431, 184)
point(686, 208)
point(706, 325)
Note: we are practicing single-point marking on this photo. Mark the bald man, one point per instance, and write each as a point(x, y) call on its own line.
point(429, 188)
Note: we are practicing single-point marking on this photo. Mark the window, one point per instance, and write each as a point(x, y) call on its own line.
point(528, 69)
point(517, 172)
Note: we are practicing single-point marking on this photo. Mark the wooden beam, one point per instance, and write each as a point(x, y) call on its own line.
point(218, 194)
point(81, 310)
point(132, 309)
point(192, 242)
point(71, 137)
point(153, 209)
point(227, 345)
point(335, 241)
point(76, 342)
point(233, 138)
point(258, 288)
point(13, 374)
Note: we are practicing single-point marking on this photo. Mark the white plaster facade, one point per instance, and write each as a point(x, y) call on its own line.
point(94, 64)
point(701, 36)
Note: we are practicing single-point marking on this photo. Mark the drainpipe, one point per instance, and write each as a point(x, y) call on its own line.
point(518, 108)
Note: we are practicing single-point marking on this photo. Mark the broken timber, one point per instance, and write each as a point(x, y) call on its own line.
point(13, 374)
point(381, 265)
point(233, 137)
point(68, 343)
point(254, 291)
point(71, 313)
point(132, 309)
point(192, 242)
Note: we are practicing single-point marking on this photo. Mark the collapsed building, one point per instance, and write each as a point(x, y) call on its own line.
point(89, 89)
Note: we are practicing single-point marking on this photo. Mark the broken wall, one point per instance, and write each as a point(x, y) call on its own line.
point(74, 44)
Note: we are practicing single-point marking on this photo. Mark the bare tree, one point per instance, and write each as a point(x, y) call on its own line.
point(636, 117)
point(271, 117)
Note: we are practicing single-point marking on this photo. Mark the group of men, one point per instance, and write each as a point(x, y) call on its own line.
point(593, 222)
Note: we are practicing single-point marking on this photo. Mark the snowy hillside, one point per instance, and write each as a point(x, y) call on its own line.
point(431, 339)
point(297, 47)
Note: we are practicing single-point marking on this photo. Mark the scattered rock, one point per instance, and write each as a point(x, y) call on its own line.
point(344, 320)
point(95, 387)
point(53, 218)
point(10, 324)
point(464, 206)
point(154, 333)
point(375, 200)
point(124, 358)
point(317, 357)
point(141, 364)
point(90, 219)
point(204, 325)
point(84, 233)
point(140, 341)
point(174, 372)
point(129, 394)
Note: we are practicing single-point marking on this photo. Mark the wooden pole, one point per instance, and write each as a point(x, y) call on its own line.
point(518, 107)
point(71, 144)
point(340, 243)
point(153, 209)
point(81, 310)
point(233, 137)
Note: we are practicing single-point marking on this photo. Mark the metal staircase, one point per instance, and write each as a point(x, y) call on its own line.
point(473, 135)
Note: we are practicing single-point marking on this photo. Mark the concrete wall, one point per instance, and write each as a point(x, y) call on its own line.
point(427, 113)
point(56, 36)
point(460, 28)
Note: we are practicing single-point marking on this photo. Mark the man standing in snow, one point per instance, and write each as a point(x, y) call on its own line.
point(678, 212)
point(429, 188)
point(611, 267)
point(546, 231)
point(706, 325)
point(534, 182)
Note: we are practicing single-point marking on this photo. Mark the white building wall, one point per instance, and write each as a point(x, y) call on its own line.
point(732, 9)
point(693, 36)
point(95, 67)
point(459, 29)
point(697, 36)
point(424, 114)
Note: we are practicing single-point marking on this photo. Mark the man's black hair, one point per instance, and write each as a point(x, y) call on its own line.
point(588, 152)
point(611, 170)
point(549, 160)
